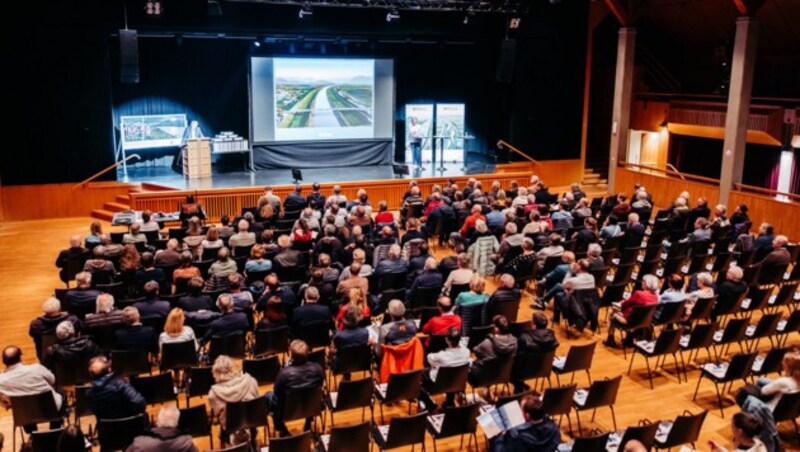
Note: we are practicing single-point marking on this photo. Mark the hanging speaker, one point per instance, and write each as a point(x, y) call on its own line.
point(128, 56)
point(505, 66)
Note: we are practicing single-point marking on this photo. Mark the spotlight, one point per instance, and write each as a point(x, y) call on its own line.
point(466, 20)
point(393, 16)
point(153, 8)
point(257, 43)
point(514, 23)
point(305, 12)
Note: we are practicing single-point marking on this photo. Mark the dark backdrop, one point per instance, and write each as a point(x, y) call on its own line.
point(67, 93)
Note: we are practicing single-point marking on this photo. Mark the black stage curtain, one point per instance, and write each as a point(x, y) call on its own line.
point(314, 155)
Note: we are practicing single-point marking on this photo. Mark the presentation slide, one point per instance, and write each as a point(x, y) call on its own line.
point(321, 99)
point(152, 131)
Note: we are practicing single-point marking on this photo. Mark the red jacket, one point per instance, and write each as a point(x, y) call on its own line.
point(440, 324)
point(469, 223)
point(384, 218)
point(638, 298)
point(401, 358)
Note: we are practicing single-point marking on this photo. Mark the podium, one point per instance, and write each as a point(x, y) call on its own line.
point(197, 158)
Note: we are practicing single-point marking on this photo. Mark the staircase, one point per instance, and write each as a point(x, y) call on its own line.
point(594, 181)
point(123, 202)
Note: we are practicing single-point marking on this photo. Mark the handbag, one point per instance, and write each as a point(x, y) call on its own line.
point(748, 390)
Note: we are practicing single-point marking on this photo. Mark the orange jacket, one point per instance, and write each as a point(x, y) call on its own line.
point(401, 358)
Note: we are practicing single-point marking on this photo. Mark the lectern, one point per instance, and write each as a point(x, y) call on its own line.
point(197, 158)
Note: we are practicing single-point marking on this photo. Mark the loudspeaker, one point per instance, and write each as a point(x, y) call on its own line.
point(505, 66)
point(128, 56)
point(297, 175)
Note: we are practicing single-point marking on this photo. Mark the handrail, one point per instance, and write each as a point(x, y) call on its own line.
point(105, 170)
point(690, 177)
point(765, 191)
point(503, 143)
point(670, 166)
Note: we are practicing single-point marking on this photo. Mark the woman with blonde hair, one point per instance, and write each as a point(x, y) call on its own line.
point(212, 240)
point(356, 297)
point(475, 294)
point(266, 216)
point(231, 385)
point(175, 330)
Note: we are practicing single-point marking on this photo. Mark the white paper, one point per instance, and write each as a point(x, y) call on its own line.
point(489, 425)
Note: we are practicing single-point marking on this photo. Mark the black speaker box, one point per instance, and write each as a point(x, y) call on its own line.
point(128, 56)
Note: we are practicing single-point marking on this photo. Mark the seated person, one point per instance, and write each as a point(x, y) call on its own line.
point(170, 255)
point(353, 279)
point(552, 281)
point(149, 272)
point(185, 270)
point(74, 252)
point(647, 296)
point(453, 356)
point(212, 240)
point(538, 433)
point(111, 397)
point(595, 256)
point(673, 294)
point(257, 262)
point(80, 301)
point(148, 224)
point(175, 330)
point(499, 344)
point(152, 307)
point(540, 339)
point(133, 335)
point(98, 262)
point(505, 293)
point(224, 265)
point(552, 248)
point(19, 379)
point(350, 335)
point(705, 291)
point(730, 290)
point(70, 350)
point(358, 298)
point(195, 300)
point(462, 275)
point(47, 323)
point(311, 313)
point(393, 264)
point(475, 293)
point(578, 278)
point(229, 323)
point(300, 373)
point(165, 435)
point(446, 319)
point(230, 385)
point(135, 235)
point(105, 314)
point(243, 237)
point(429, 277)
point(400, 330)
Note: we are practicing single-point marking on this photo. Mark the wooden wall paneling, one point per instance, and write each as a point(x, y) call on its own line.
point(664, 188)
point(33, 202)
point(783, 215)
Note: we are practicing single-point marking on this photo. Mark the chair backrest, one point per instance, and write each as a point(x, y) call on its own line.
point(264, 370)
point(272, 341)
point(773, 362)
point(508, 309)
point(71, 374)
point(459, 420)
point(685, 429)
point(45, 441)
point(641, 317)
point(623, 273)
point(350, 438)
point(558, 401)
point(130, 362)
point(456, 289)
point(242, 447)
point(703, 308)
point(118, 434)
point(425, 297)
point(735, 330)
point(668, 342)
point(354, 359)
point(495, 371)
point(450, 380)
point(603, 392)
point(316, 334)
point(295, 443)
point(579, 357)
point(537, 365)
point(246, 414)
point(644, 433)
point(199, 381)
point(232, 345)
point(194, 421)
point(33, 409)
point(702, 335)
point(302, 403)
point(671, 313)
point(155, 389)
point(354, 394)
point(595, 443)
point(406, 430)
point(178, 355)
point(788, 407)
point(612, 293)
point(767, 325)
point(740, 367)
point(403, 386)
point(472, 322)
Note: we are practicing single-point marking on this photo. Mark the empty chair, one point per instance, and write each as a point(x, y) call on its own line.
point(684, 430)
point(788, 326)
point(33, 409)
point(455, 421)
point(702, 336)
point(600, 394)
point(194, 421)
point(130, 362)
point(536, 366)
point(401, 431)
point(300, 442)
point(401, 386)
point(46, 441)
point(738, 368)
point(734, 332)
point(496, 371)
point(788, 409)
point(351, 394)
point(271, 341)
point(118, 434)
point(641, 318)
point(769, 364)
point(198, 382)
point(767, 326)
point(232, 345)
point(353, 359)
point(156, 388)
point(668, 343)
point(558, 401)
point(594, 443)
point(349, 438)
point(578, 358)
point(264, 370)
point(303, 403)
point(246, 415)
point(178, 355)
point(316, 334)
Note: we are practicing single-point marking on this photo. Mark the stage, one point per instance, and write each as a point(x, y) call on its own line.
point(227, 176)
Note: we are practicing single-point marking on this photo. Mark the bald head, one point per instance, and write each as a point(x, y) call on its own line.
point(99, 366)
point(75, 241)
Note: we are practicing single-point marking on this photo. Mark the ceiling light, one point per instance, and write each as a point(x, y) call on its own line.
point(305, 12)
point(393, 16)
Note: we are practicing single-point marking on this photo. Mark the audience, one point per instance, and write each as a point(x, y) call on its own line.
point(70, 350)
point(230, 385)
point(46, 324)
point(105, 315)
point(19, 379)
point(454, 355)
point(175, 330)
point(746, 428)
point(133, 335)
point(80, 301)
point(111, 397)
point(647, 296)
point(165, 435)
point(300, 373)
point(538, 433)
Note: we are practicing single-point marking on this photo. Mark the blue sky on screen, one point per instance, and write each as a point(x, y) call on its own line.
point(334, 69)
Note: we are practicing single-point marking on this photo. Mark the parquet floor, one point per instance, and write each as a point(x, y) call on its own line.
point(28, 276)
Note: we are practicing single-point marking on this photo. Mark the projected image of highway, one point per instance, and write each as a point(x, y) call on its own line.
point(310, 96)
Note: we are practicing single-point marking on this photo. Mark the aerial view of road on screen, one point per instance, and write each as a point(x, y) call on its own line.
point(323, 93)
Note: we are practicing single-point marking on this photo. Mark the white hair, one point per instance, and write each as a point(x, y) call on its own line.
point(168, 416)
point(65, 330)
point(51, 306)
point(595, 249)
point(481, 227)
point(511, 228)
point(735, 273)
point(507, 280)
point(394, 251)
point(705, 278)
point(397, 309)
point(430, 263)
point(105, 303)
point(650, 282)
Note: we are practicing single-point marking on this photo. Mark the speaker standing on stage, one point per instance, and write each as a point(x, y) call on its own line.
point(191, 132)
point(415, 134)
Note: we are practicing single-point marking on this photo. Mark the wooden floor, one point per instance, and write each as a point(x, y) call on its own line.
point(28, 276)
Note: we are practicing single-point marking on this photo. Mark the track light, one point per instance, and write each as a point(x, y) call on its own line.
point(393, 16)
point(153, 8)
point(305, 12)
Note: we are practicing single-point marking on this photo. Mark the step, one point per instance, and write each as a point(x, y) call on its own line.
point(116, 206)
point(124, 199)
point(102, 214)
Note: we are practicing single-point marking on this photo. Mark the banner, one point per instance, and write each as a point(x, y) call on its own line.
point(423, 115)
point(450, 131)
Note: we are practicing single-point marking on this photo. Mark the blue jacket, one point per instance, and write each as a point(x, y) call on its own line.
point(114, 398)
point(227, 324)
point(135, 337)
point(542, 437)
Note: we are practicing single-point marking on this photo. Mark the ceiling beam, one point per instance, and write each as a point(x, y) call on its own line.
point(618, 11)
point(748, 7)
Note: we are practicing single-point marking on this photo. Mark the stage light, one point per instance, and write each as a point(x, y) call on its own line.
point(393, 16)
point(305, 12)
point(257, 43)
point(514, 23)
point(153, 8)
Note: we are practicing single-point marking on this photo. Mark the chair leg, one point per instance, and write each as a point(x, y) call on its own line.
point(613, 417)
point(719, 398)
point(649, 375)
point(698, 387)
point(677, 369)
point(630, 366)
point(578, 416)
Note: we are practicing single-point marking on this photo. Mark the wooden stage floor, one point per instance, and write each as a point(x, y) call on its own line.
point(28, 276)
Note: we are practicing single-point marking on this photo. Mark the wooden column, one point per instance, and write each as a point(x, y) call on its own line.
point(742, 69)
point(597, 12)
point(623, 90)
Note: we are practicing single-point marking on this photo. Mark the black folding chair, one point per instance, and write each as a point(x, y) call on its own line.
point(351, 394)
point(130, 362)
point(232, 345)
point(579, 357)
point(455, 421)
point(402, 431)
point(401, 386)
point(558, 402)
point(118, 434)
point(30, 410)
point(738, 368)
point(684, 430)
point(645, 433)
point(354, 438)
point(246, 415)
point(601, 393)
point(195, 421)
point(271, 341)
point(264, 370)
point(156, 388)
point(45, 441)
point(303, 404)
point(668, 343)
